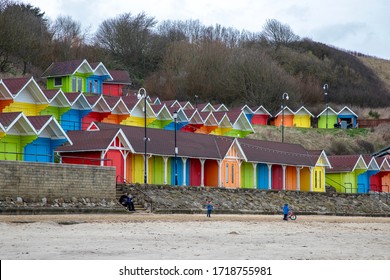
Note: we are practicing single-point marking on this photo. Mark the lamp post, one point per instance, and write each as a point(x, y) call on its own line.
point(284, 97)
point(326, 101)
point(176, 149)
point(196, 101)
point(146, 139)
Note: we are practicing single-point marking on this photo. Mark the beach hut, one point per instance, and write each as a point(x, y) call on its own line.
point(327, 118)
point(163, 116)
point(302, 118)
point(94, 82)
point(50, 136)
point(380, 181)
point(118, 110)
point(260, 116)
point(99, 110)
point(58, 104)
point(241, 126)
point(119, 85)
point(344, 171)
point(136, 106)
point(79, 107)
point(288, 117)
point(275, 165)
point(16, 132)
point(224, 124)
point(347, 116)
point(70, 76)
point(100, 147)
point(365, 178)
point(22, 95)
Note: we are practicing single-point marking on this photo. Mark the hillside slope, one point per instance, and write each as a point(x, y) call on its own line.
point(333, 141)
point(381, 68)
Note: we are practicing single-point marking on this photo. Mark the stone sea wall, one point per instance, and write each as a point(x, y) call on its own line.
point(168, 199)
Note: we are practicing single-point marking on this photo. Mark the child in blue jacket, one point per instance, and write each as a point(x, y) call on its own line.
point(285, 211)
point(209, 208)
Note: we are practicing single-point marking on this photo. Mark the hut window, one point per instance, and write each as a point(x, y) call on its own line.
point(58, 81)
point(73, 84)
point(233, 173)
point(227, 173)
point(320, 180)
point(80, 85)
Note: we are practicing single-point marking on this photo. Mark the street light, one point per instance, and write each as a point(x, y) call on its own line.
point(146, 139)
point(284, 97)
point(326, 101)
point(176, 149)
point(196, 101)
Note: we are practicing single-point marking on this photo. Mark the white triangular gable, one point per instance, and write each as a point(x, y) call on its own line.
point(120, 142)
point(235, 151)
point(360, 164)
point(261, 111)
point(346, 111)
point(323, 160)
point(21, 126)
point(93, 127)
point(331, 112)
point(31, 93)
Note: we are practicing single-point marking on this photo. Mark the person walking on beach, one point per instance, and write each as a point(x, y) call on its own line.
point(285, 211)
point(209, 208)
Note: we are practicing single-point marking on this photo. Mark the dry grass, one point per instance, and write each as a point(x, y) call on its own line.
point(333, 141)
point(380, 66)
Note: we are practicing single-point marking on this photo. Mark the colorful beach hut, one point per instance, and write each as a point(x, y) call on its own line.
point(345, 171)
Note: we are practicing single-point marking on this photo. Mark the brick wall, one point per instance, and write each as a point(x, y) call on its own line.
point(33, 181)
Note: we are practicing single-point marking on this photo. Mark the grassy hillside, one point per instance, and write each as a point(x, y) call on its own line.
point(333, 141)
point(381, 68)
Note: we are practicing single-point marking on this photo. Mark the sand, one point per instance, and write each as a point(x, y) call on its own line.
point(144, 236)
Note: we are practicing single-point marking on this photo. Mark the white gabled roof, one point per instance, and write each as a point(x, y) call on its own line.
point(330, 110)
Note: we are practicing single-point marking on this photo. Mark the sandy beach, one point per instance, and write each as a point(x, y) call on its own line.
point(143, 236)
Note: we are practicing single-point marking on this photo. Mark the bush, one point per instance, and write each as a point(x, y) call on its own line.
point(373, 114)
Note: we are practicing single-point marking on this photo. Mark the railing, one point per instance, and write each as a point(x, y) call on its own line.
point(372, 122)
point(361, 188)
point(339, 185)
point(374, 188)
point(147, 198)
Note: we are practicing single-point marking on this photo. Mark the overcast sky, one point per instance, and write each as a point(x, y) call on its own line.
point(356, 25)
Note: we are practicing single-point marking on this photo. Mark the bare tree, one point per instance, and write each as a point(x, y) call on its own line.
point(277, 33)
point(130, 41)
point(23, 33)
point(68, 38)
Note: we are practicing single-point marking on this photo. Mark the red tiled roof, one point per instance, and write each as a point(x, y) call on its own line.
point(92, 99)
point(219, 115)
point(14, 85)
point(119, 77)
point(50, 93)
point(111, 100)
point(190, 145)
point(233, 115)
point(89, 140)
point(275, 152)
point(156, 108)
point(72, 96)
point(130, 101)
point(62, 68)
point(161, 141)
point(342, 163)
point(7, 118)
point(94, 64)
point(38, 121)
